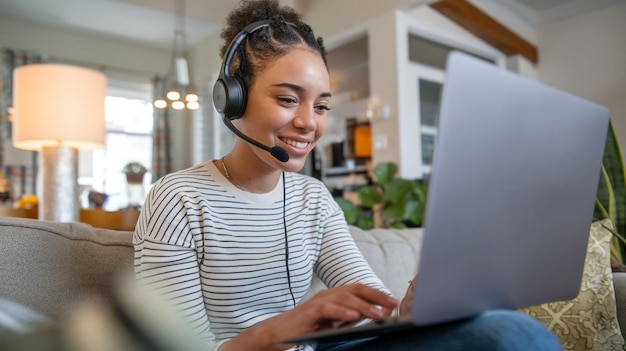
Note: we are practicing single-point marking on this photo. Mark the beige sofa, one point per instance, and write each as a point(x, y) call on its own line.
point(51, 267)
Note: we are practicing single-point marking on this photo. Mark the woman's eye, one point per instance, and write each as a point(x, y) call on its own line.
point(287, 100)
point(322, 108)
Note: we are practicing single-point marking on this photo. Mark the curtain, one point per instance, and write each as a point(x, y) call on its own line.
point(161, 137)
point(22, 175)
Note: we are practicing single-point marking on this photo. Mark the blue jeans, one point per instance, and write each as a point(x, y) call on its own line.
point(491, 331)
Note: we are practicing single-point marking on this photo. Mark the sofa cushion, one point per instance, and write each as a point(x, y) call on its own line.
point(69, 260)
point(392, 254)
point(589, 321)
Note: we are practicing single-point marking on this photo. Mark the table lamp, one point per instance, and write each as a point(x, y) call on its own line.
point(59, 109)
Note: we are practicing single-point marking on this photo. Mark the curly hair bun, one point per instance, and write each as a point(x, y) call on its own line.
point(250, 11)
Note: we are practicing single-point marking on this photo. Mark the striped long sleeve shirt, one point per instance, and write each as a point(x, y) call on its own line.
point(229, 259)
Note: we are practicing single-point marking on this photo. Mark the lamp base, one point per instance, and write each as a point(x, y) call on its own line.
point(58, 184)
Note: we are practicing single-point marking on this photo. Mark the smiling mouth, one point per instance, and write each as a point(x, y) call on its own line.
point(295, 143)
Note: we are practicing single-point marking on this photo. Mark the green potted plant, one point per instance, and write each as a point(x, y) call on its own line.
point(611, 195)
point(134, 172)
point(388, 202)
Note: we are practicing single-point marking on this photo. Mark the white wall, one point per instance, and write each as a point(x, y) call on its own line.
point(334, 18)
point(586, 56)
point(115, 57)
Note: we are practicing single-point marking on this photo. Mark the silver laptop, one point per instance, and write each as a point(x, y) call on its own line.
point(510, 200)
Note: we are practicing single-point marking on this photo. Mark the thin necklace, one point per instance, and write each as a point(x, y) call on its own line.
point(230, 179)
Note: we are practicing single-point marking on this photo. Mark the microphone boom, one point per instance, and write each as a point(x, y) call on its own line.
point(278, 152)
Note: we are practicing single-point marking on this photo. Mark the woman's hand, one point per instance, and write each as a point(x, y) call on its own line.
point(407, 302)
point(326, 309)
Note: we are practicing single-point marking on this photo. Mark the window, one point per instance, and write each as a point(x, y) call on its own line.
point(426, 69)
point(426, 84)
point(129, 122)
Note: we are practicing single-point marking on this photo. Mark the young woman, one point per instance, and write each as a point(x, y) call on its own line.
point(234, 242)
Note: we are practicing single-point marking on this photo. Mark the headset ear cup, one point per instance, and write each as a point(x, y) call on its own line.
point(229, 93)
point(238, 98)
point(220, 96)
point(229, 97)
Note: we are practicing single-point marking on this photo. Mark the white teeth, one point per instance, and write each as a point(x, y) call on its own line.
point(298, 144)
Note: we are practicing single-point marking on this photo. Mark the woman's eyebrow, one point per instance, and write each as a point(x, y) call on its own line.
point(299, 89)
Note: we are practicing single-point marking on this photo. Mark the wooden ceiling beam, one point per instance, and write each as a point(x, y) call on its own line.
point(487, 28)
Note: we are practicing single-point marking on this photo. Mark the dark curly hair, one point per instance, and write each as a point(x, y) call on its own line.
point(266, 44)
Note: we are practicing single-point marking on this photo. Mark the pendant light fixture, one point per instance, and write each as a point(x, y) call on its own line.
point(178, 93)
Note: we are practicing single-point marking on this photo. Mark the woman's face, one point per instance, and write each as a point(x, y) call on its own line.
point(287, 107)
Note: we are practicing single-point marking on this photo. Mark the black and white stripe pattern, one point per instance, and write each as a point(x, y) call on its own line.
point(218, 253)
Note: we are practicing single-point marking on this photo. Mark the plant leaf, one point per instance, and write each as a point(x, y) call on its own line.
point(602, 213)
point(414, 212)
point(394, 213)
point(369, 195)
point(385, 172)
point(419, 191)
point(365, 223)
point(398, 225)
point(398, 190)
point(612, 188)
point(620, 237)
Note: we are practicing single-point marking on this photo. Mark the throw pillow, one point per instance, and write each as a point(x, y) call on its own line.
point(589, 321)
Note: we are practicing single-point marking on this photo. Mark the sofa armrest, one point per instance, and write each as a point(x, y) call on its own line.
point(619, 283)
point(49, 266)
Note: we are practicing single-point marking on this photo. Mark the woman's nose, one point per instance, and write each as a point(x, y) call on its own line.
point(306, 118)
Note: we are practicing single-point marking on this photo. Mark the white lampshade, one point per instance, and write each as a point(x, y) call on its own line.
point(58, 105)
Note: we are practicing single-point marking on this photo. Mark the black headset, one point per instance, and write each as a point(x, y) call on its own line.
point(229, 92)
point(230, 96)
